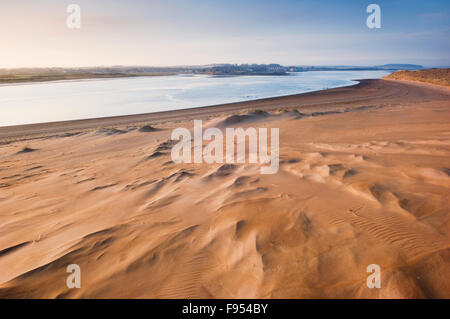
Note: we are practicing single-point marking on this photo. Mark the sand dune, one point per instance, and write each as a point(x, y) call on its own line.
point(434, 76)
point(363, 179)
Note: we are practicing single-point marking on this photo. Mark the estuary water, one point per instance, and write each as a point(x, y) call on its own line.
point(69, 100)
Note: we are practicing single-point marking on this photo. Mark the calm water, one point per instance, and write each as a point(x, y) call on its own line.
point(68, 100)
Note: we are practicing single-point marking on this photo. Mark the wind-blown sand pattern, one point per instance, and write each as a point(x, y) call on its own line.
point(363, 179)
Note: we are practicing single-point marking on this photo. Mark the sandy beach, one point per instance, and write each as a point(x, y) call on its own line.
point(363, 179)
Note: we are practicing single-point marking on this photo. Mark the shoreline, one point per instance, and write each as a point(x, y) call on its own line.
point(354, 82)
point(48, 128)
point(79, 80)
point(75, 77)
point(364, 90)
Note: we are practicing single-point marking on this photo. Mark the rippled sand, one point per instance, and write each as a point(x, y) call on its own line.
point(363, 179)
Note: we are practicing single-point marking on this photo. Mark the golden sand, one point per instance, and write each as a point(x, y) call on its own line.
point(363, 179)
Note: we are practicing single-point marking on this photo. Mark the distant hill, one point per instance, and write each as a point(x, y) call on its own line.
point(400, 67)
point(434, 76)
point(390, 67)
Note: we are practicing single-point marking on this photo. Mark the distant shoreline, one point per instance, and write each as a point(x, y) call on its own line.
point(31, 78)
point(34, 75)
point(39, 79)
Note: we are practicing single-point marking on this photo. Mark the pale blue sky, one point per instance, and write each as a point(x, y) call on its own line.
point(175, 32)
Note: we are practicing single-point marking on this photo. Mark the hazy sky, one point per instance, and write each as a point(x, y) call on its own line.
point(33, 33)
